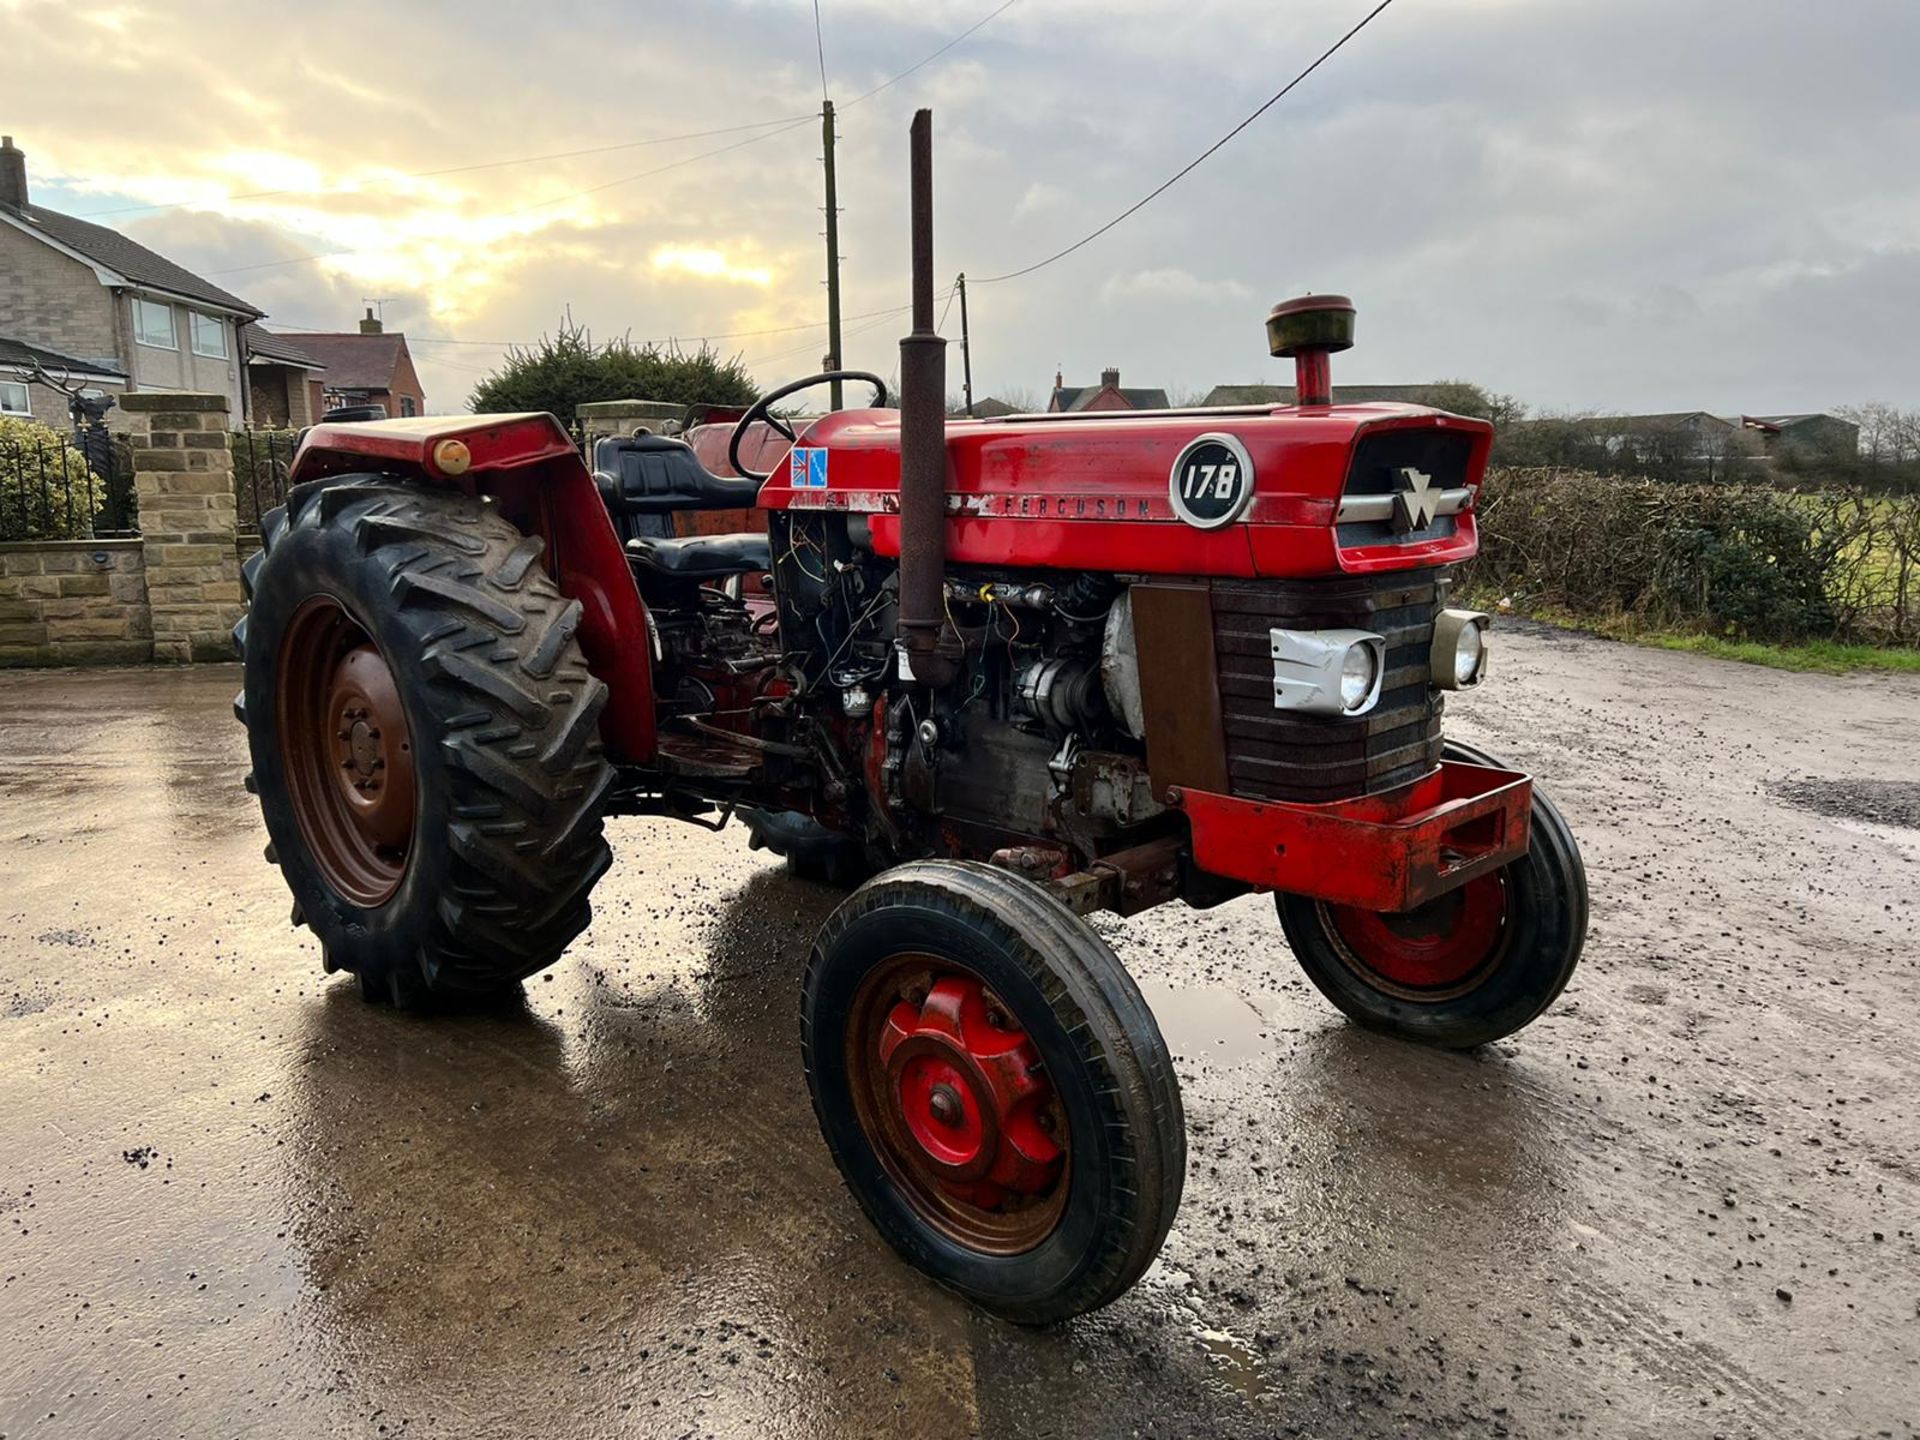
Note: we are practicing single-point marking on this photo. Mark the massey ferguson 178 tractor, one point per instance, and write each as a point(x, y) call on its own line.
point(1015, 671)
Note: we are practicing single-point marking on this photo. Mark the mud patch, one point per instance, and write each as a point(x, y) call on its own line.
point(1878, 802)
point(25, 1002)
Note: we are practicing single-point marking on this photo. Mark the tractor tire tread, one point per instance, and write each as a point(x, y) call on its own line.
point(1145, 1121)
point(488, 650)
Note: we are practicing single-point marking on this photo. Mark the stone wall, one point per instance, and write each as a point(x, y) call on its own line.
point(623, 417)
point(73, 602)
point(183, 475)
point(171, 595)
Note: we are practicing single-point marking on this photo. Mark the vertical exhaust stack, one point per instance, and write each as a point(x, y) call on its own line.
point(1308, 330)
point(923, 445)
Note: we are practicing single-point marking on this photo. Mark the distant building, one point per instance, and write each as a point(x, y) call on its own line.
point(992, 409)
point(1107, 395)
point(284, 382)
point(368, 367)
point(1812, 436)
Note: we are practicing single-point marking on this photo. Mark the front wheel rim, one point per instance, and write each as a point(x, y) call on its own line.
point(951, 1093)
point(1438, 951)
point(347, 752)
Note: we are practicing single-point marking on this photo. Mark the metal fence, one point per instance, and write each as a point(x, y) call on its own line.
point(260, 462)
point(65, 487)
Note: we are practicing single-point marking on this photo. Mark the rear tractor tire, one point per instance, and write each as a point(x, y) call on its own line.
point(425, 738)
point(1468, 968)
point(993, 1088)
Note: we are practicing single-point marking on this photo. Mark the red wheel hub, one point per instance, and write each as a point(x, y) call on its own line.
point(966, 1079)
point(347, 752)
point(1443, 946)
point(951, 1092)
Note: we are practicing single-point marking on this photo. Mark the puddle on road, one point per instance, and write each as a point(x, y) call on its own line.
point(1230, 1359)
point(1233, 1361)
point(1207, 1022)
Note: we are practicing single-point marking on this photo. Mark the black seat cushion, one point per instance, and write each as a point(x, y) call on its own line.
point(655, 474)
point(702, 557)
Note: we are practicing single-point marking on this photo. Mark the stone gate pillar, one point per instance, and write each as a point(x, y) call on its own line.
point(183, 476)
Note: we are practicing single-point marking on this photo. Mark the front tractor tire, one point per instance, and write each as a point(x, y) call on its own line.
point(425, 738)
point(1468, 968)
point(993, 1088)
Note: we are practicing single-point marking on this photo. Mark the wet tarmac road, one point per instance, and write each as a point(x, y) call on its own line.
point(236, 1201)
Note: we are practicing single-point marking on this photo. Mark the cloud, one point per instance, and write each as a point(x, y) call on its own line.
point(1605, 204)
point(1170, 284)
point(705, 263)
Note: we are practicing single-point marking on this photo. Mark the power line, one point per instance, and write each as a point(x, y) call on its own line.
point(1197, 161)
point(889, 84)
point(784, 127)
point(459, 169)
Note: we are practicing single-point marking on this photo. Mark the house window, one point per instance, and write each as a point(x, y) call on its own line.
point(153, 324)
point(209, 335)
point(406, 405)
point(13, 399)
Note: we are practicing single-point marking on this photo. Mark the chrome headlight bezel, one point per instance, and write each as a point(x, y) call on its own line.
point(1309, 668)
point(1456, 635)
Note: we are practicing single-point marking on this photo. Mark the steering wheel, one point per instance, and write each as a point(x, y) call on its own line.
point(762, 409)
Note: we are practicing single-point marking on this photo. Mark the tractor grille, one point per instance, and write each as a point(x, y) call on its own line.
point(1275, 755)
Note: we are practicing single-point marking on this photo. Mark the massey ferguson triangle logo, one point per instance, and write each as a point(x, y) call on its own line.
point(1418, 504)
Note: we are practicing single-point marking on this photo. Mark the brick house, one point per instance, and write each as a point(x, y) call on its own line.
point(127, 317)
point(1107, 395)
point(286, 387)
point(368, 367)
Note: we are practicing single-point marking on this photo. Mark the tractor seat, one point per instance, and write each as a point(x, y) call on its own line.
point(702, 557)
point(655, 475)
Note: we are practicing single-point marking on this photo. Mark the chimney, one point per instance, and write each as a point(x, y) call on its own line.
point(369, 326)
point(13, 174)
point(1110, 378)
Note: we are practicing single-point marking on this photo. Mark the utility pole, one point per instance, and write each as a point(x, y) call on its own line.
point(966, 342)
point(833, 252)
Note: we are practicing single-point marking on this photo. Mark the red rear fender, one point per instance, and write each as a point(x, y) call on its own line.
point(528, 466)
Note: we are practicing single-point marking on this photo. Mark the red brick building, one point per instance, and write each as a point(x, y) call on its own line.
point(369, 367)
point(1107, 395)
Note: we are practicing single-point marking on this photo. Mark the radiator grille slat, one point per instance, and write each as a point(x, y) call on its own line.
point(1275, 755)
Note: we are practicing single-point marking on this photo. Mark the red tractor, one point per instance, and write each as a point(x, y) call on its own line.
point(1014, 671)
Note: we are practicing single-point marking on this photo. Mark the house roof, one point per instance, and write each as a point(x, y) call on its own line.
point(1783, 421)
point(991, 407)
point(1078, 397)
point(128, 258)
point(255, 341)
point(357, 362)
point(1672, 417)
point(17, 354)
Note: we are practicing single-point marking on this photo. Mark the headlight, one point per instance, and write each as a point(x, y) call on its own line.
point(1459, 658)
point(1327, 672)
point(1357, 674)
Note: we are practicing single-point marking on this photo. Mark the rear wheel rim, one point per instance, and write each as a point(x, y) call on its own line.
point(951, 1094)
point(1438, 951)
point(347, 751)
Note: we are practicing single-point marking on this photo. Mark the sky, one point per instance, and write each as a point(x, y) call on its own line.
point(1593, 205)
